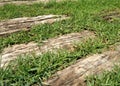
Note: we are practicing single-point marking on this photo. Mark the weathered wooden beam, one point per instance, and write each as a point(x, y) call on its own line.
point(28, 2)
point(62, 42)
point(18, 24)
point(110, 15)
point(75, 74)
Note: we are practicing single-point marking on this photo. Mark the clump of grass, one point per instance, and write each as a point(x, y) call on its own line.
point(38, 33)
point(108, 78)
point(82, 15)
point(31, 69)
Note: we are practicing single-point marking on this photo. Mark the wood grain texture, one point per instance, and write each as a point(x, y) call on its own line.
point(18, 24)
point(110, 15)
point(75, 74)
point(28, 2)
point(62, 42)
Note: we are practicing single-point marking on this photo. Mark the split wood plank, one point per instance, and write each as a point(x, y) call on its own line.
point(62, 42)
point(18, 24)
point(75, 74)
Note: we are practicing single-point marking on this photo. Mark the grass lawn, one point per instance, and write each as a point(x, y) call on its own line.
point(111, 78)
point(85, 15)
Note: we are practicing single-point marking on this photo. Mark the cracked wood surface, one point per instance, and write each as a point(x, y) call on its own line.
point(75, 74)
point(15, 25)
point(19, 2)
point(62, 42)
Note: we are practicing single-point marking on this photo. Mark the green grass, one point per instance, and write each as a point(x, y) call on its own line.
point(29, 69)
point(108, 78)
point(84, 16)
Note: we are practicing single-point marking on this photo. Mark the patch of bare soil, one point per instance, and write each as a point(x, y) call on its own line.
point(111, 15)
point(75, 74)
point(62, 42)
point(18, 24)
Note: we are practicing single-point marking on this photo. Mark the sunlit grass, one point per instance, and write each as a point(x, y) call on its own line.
point(108, 78)
point(29, 69)
point(83, 13)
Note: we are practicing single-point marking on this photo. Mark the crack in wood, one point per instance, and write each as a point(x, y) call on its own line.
point(111, 15)
point(28, 2)
point(62, 42)
point(75, 74)
point(18, 24)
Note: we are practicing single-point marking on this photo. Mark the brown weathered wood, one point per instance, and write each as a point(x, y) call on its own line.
point(18, 24)
point(62, 42)
point(111, 15)
point(75, 74)
point(28, 2)
point(18, 2)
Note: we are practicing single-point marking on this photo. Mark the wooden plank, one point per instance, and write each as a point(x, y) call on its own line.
point(28, 2)
point(15, 25)
point(110, 15)
point(75, 74)
point(62, 42)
